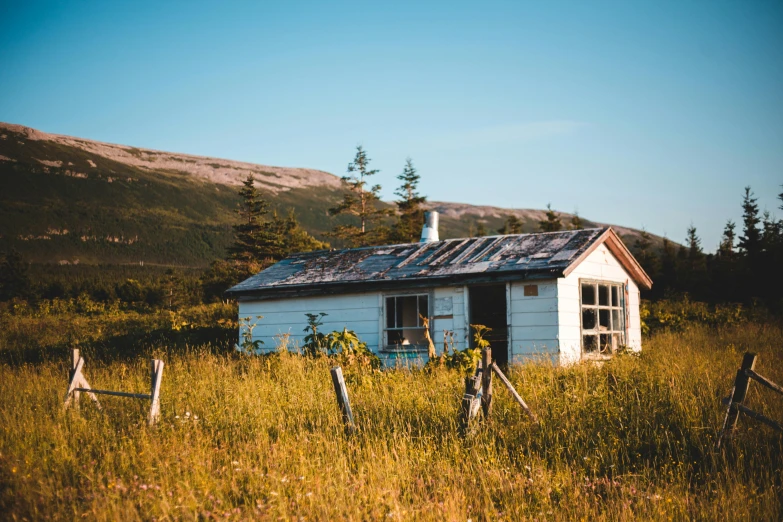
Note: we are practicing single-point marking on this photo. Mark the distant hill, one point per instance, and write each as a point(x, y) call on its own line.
point(66, 200)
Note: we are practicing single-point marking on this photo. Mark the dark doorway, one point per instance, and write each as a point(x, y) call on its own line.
point(488, 307)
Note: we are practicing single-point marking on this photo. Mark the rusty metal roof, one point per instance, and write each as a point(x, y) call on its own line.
point(517, 256)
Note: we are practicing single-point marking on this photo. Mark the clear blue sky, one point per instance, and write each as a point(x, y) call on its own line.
point(649, 114)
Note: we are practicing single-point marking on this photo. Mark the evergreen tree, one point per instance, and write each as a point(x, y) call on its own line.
point(481, 230)
point(410, 219)
point(668, 274)
point(253, 241)
point(750, 241)
point(726, 248)
point(645, 254)
point(696, 266)
point(576, 222)
point(295, 238)
point(724, 268)
point(513, 225)
point(552, 222)
point(360, 201)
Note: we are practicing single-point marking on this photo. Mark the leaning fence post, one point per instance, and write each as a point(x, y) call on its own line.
point(74, 363)
point(342, 399)
point(741, 383)
point(514, 393)
point(486, 382)
point(156, 375)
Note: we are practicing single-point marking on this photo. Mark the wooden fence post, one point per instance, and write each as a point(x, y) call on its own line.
point(342, 399)
point(74, 362)
point(741, 383)
point(156, 374)
point(471, 400)
point(486, 382)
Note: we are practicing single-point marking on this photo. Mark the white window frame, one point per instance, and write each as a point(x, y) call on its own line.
point(618, 333)
point(386, 329)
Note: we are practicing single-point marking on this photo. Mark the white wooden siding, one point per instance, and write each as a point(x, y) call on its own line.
point(600, 265)
point(534, 321)
point(546, 326)
point(358, 312)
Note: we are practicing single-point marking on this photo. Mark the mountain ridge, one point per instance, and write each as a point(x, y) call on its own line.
point(65, 199)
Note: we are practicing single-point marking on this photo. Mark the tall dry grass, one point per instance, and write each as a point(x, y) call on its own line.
point(249, 437)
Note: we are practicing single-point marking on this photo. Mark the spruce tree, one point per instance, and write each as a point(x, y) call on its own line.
point(295, 238)
point(252, 239)
point(360, 201)
point(513, 225)
point(576, 222)
point(726, 248)
point(668, 274)
point(552, 222)
point(410, 219)
point(696, 264)
point(750, 241)
point(645, 254)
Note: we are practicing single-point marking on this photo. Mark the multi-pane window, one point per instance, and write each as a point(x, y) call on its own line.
point(404, 326)
point(603, 317)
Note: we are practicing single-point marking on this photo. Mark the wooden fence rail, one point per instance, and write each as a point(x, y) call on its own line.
point(77, 384)
point(734, 401)
point(478, 393)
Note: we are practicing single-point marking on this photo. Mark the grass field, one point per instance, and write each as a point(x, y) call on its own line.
point(248, 437)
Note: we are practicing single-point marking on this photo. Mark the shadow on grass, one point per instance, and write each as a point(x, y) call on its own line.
point(127, 346)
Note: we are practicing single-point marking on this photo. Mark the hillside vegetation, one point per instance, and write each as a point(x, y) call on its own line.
point(65, 199)
point(261, 437)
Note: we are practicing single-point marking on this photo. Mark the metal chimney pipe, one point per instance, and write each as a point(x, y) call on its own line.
point(430, 230)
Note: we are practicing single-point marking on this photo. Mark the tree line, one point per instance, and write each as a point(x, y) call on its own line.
point(745, 268)
point(262, 237)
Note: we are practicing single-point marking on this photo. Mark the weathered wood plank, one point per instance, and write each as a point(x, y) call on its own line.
point(741, 382)
point(486, 383)
point(514, 393)
point(343, 402)
point(116, 393)
point(471, 400)
point(156, 376)
point(75, 356)
point(757, 416)
point(85, 386)
point(764, 381)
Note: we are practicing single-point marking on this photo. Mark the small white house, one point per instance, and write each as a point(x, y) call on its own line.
point(566, 296)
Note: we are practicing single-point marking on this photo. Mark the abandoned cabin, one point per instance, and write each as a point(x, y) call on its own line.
point(564, 296)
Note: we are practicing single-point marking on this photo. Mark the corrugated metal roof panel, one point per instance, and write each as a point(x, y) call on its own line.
point(550, 253)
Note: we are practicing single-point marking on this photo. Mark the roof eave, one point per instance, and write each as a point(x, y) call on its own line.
point(424, 282)
point(621, 252)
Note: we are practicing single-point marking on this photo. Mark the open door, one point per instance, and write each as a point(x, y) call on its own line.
point(487, 306)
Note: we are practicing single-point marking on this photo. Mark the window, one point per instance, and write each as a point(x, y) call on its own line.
point(404, 326)
point(603, 317)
